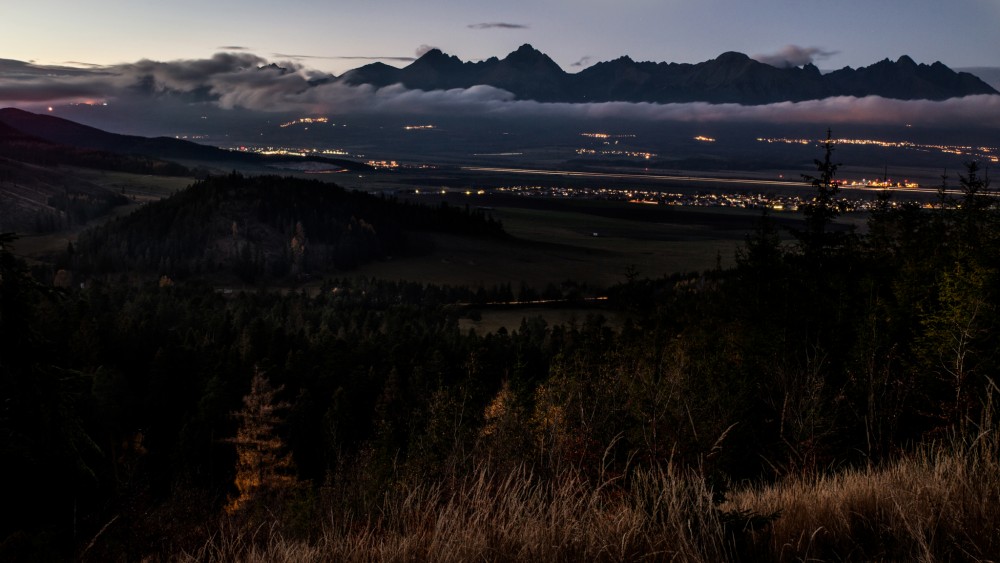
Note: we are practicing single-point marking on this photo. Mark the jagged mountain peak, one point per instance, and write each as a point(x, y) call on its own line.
point(433, 54)
point(732, 77)
point(527, 55)
point(274, 67)
point(437, 58)
point(527, 50)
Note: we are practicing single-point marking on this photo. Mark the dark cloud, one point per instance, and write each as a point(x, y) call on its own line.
point(225, 79)
point(15, 92)
point(497, 25)
point(10, 68)
point(229, 81)
point(22, 82)
point(233, 48)
point(584, 61)
point(794, 55)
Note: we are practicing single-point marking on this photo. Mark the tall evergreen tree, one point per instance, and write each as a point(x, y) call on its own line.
point(824, 206)
point(263, 467)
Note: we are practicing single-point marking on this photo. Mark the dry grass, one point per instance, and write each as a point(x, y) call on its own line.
point(658, 516)
point(941, 504)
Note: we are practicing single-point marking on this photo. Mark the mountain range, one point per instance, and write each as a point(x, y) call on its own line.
point(732, 77)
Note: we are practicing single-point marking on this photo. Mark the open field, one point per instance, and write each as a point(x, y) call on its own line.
point(553, 247)
point(589, 242)
point(586, 241)
point(653, 249)
point(139, 187)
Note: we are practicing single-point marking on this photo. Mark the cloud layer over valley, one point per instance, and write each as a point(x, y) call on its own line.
point(241, 80)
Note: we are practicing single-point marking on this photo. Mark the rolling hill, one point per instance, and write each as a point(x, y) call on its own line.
point(265, 227)
point(64, 132)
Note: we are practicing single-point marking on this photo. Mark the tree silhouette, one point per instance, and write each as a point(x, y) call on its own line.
point(824, 207)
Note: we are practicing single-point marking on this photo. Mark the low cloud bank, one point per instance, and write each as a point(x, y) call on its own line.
point(794, 55)
point(243, 80)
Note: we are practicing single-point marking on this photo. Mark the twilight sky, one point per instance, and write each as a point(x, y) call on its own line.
point(336, 36)
point(159, 64)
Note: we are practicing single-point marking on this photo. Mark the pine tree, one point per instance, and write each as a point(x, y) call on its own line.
point(263, 467)
point(824, 207)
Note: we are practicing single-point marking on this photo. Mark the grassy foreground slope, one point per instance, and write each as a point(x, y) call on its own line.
point(940, 504)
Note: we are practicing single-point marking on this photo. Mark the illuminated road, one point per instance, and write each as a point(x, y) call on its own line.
point(614, 176)
point(535, 302)
point(673, 178)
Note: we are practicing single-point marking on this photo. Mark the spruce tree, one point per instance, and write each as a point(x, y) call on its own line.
point(824, 207)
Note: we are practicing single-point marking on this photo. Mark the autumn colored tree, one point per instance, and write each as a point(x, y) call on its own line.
point(298, 249)
point(263, 467)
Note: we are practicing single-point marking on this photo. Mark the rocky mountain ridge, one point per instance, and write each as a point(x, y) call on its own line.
point(732, 77)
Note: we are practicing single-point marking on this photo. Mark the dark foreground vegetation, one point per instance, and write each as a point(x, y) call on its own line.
point(831, 399)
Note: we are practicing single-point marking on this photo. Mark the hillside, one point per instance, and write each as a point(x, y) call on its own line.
point(41, 190)
point(23, 144)
point(265, 227)
point(39, 194)
point(65, 132)
point(40, 199)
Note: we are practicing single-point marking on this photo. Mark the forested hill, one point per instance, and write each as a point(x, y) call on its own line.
point(265, 227)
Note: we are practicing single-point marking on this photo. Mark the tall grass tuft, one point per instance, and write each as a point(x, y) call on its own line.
point(939, 504)
point(656, 515)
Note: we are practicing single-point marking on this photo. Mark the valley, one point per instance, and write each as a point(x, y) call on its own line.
point(495, 316)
